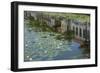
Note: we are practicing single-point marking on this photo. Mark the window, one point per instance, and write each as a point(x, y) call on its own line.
point(76, 30)
point(80, 32)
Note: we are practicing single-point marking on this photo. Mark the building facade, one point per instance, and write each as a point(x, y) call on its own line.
point(81, 29)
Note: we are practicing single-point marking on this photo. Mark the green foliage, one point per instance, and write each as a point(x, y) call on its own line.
point(76, 16)
point(69, 35)
point(39, 25)
point(59, 37)
point(34, 23)
point(31, 18)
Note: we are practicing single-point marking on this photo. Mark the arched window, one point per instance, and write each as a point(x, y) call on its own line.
point(80, 32)
point(76, 30)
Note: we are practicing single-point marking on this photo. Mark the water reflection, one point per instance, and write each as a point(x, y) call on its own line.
point(42, 46)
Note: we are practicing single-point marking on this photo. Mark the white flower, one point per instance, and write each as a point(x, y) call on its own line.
point(26, 45)
point(60, 44)
point(45, 51)
point(27, 56)
point(30, 59)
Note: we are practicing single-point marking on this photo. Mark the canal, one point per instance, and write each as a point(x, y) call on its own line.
point(42, 46)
